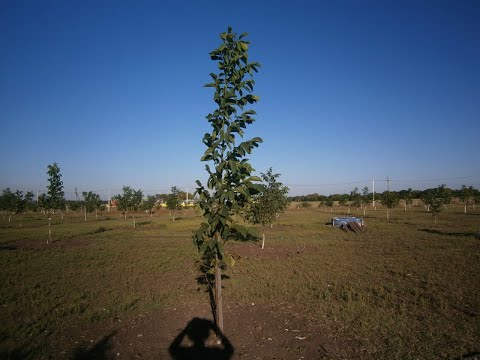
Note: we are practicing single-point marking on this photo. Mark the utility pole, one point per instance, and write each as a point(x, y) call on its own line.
point(388, 184)
point(109, 202)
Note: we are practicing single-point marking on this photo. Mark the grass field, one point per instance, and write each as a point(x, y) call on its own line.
point(402, 289)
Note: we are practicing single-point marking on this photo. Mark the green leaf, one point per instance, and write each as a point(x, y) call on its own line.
point(230, 260)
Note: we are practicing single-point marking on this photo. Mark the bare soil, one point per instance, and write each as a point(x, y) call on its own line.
point(254, 331)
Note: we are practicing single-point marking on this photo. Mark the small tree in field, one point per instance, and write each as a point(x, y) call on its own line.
point(355, 198)
point(390, 200)
point(149, 203)
point(365, 197)
point(129, 200)
point(329, 203)
point(466, 193)
point(173, 201)
point(270, 203)
point(55, 194)
point(55, 197)
point(435, 199)
point(92, 202)
point(408, 198)
point(230, 184)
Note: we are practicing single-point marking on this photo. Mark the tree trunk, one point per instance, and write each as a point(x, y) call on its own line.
point(85, 212)
point(364, 210)
point(387, 213)
point(218, 296)
point(263, 238)
point(49, 240)
point(125, 213)
point(465, 209)
point(9, 218)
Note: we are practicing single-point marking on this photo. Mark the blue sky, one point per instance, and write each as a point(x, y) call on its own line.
point(350, 91)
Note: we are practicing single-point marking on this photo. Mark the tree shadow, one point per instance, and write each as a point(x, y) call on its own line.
point(201, 340)
point(6, 246)
point(98, 351)
point(455, 234)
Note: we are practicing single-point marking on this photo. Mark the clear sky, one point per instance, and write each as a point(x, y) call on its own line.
point(350, 91)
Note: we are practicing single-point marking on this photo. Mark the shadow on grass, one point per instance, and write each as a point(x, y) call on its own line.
point(455, 234)
point(8, 245)
point(201, 340)
point(470, 356)
point(98, 351)
point(17, 353)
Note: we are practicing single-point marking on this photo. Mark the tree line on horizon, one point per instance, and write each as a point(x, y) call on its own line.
point(468, 195)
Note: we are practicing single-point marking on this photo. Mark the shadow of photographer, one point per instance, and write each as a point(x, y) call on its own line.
point(201, 339)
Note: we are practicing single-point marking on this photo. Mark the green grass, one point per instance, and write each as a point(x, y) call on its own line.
point(403, 289)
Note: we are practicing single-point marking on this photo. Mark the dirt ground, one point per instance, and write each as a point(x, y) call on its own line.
point(251, 332)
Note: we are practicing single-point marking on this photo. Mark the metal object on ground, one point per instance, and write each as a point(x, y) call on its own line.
point(349, 223)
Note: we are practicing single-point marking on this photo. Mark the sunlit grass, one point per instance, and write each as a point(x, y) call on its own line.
point(402, 289)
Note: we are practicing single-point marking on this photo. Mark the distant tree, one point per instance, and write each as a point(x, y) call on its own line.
point(91, 203)
point(7, 202)
point(466, 193)
point(269, 203)
point(329, 203)
point(15, 202)
point(149, 203)
point(476, 197)
point(55, 194)
point(435, 199)
point(365, 196)
point(174, 201)
point(129, 200)
point(408, 198)
point(355, 198)
point(75, 205)
point(345, 201)
point(43, 202)
point(390, 200)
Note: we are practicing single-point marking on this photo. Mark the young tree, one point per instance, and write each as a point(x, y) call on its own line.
point(55, 194)
point(55, 197)
point(129, 200)
point(390, 200)
point(329, 203)
point(230, 184)
point(270, 203)
point(408, 198)
point(466, 193)
point(435, 199)
point(149, 203)
point(476, 197)
point(345, 201)
point(355, 198)
point(365, 196)
point(174, 201)
point(7, 202)
point(91, 202)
